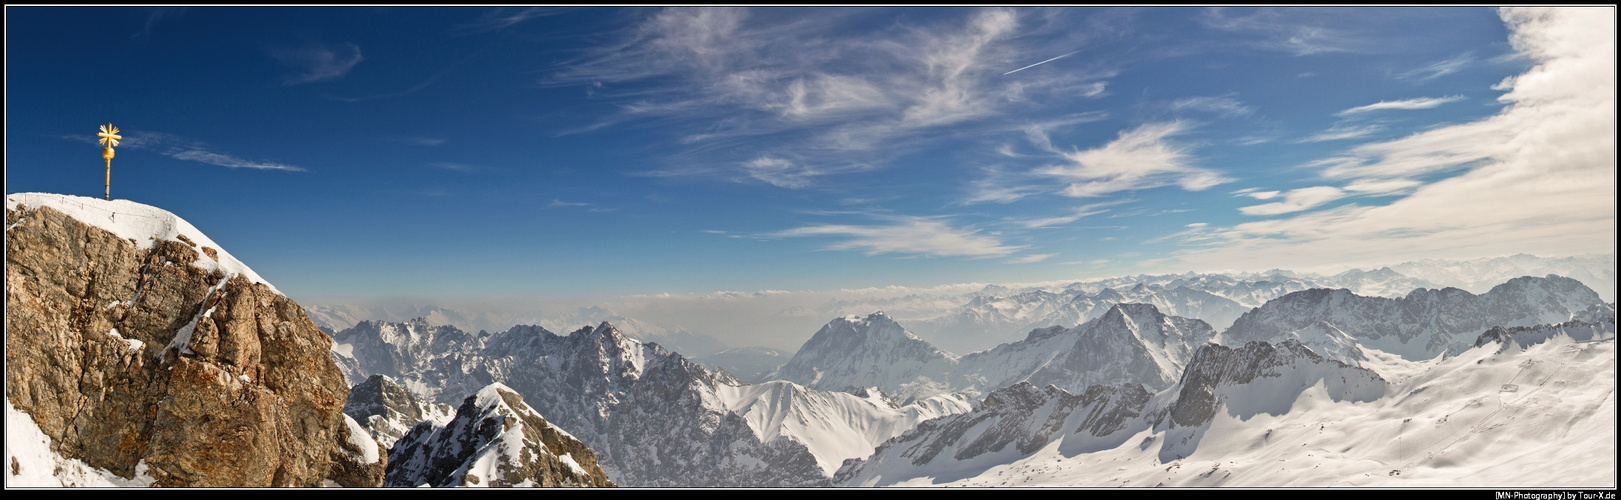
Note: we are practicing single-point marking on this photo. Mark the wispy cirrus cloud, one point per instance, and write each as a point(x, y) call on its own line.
point(502, 18)
point(459, 167)
point(420, 141)
point(186, 148)
point(156, 15)
point(1139, 158)
point(1293, 201)
point(1440, 69)
point(1342, 132)
point(780, 172)
point(1221, 105)
point(908, 235)
point(316, 62)
point(1076, 214)
point(1416, 103)
point(1031, 259)
point(1301, 32)
point(778, 98)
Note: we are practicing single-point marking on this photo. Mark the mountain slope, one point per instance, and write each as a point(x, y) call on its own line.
point(1021, 420)
point(1503, 415)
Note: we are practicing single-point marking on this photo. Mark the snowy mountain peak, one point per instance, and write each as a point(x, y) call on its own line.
point(142, 225)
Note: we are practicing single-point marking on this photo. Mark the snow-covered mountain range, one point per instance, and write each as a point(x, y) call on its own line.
point(1420, 325)
point(1128, 343)
point(1365, 377)
point(1536, 409)
point(654, 417)
point(966, 317)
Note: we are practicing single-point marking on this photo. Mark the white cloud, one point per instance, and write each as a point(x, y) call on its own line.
point(1077, 214)
point(769, 83)
point(1294, 201)
point(186, 148)
point(1297, 31)
point(459, 167)
point(317, 62)
point(1440, 69)
point(1140, 158)
point(1538, 177)
point(560, 203)
point(911, 235)
point(1382, 186)
point(1418, 103)
point(225, 160)
point(1031, 259)
point(1340, 132)
point(779, 172)
point(502, 18)
point(1093, 89)
point(1218, 105)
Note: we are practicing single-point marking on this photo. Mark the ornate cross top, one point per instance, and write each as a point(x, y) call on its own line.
point(109, 134)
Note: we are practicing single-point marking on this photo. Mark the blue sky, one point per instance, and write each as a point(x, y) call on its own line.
point(493, 152)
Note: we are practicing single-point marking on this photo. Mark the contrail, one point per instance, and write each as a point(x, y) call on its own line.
point(1038, 64)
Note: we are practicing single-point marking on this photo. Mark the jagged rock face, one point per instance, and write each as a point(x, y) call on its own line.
point(1421, 325)
point(413, 350)
point(875, 351)
point(1292, 366)
point(651, 414)
point(1527, 336)
point(1129, 343)
point(989, 320)
point(123, 353)
point(387, 411)
point(653, 417)
point(494, 440)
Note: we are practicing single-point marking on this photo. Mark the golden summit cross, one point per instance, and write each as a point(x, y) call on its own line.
point(109, 137)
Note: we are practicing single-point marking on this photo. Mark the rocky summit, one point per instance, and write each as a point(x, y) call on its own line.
point(131, 338)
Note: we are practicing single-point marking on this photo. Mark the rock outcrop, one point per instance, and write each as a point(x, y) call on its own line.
point(166, 351)
point(495, 440)
point(388, 411)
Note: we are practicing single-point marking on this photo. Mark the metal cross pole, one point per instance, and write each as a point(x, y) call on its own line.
point(109, 137)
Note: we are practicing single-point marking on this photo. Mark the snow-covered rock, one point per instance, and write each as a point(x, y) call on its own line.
point(494, 440)
point(1129, 343)
point(1021, 421)
point(387, 411)
point(138, 346)
point(1423, 324)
